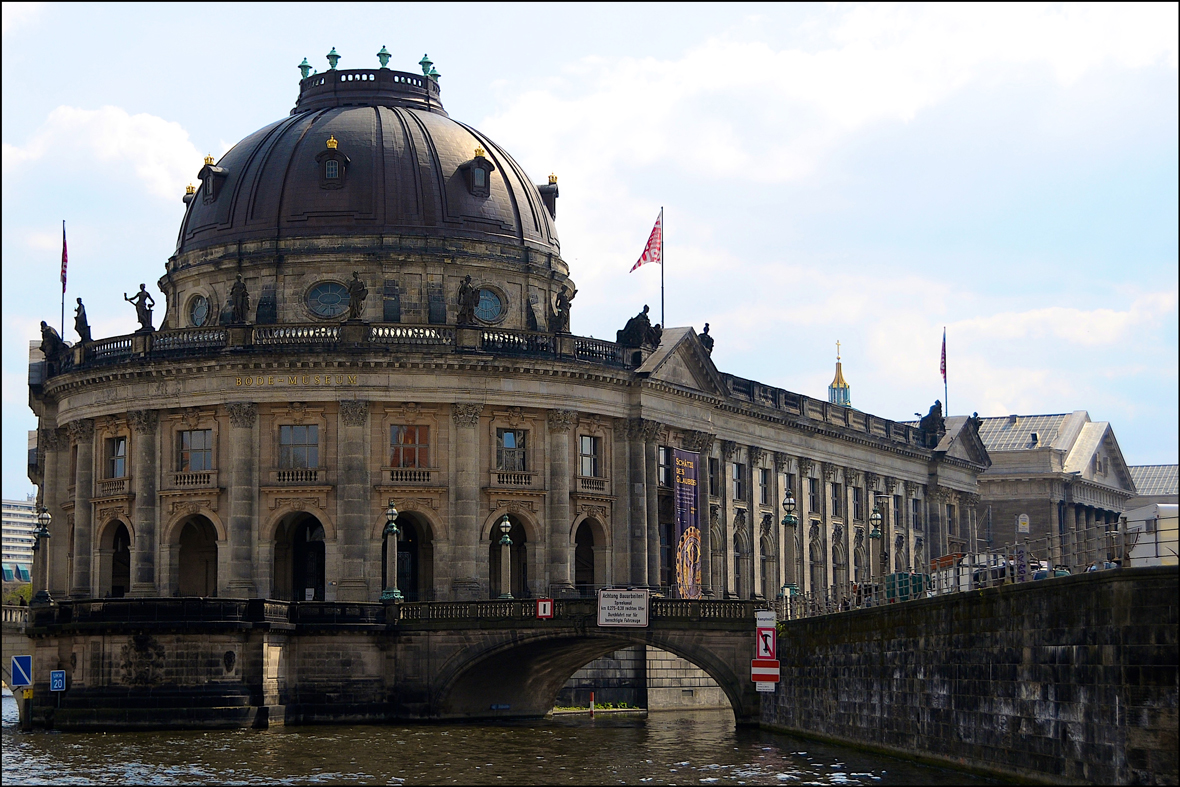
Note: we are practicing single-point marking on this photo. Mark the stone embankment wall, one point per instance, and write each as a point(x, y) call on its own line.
point(1067, 680)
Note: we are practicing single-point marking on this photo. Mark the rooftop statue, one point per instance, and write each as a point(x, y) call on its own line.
point(239, 300)
point(468, 300)
point(81, 324)
point(561, 315)
point(932, 425)
point(706, 339)
point(357, 292)
point(51, 344)
point(143, 303)
point(638, 331)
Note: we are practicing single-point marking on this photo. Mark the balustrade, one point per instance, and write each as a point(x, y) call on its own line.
point(587, 484)
point(301, 475)
point(190, 479)
point(415, 476)
point(513, 480)
point(114, 487)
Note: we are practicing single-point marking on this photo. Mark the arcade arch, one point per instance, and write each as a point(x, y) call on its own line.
point(300, 558)
point(415, 557)
point(114, 559)
point(521, 551)
point(196, 563)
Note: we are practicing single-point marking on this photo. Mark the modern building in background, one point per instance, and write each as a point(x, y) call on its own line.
point(1064, 472)
point(19, 524)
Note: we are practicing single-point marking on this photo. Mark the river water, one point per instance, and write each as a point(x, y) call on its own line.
point(694, 747)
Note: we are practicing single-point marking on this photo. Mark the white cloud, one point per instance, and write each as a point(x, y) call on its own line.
point(1085, 328)
point(158, 151)
point(15, 15)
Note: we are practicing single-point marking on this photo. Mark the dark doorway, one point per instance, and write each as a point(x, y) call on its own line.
point(519, 560)
point(299, 560)
point(584, 559)
point(198, 558)
point(120, 562)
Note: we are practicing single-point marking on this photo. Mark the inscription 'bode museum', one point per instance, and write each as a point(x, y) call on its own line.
point(260, 380)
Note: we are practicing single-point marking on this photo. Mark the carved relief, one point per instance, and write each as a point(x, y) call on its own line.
point(701, 442)
point(643, 429)
point(515, 416)
point(756, 455)
point(715, 515)
point(414, 503)
point(82, 429)
point(354, 412)
point(191, 417)
point(562, 420)
point(466, 414)
point(142, 660)
point(871, 482)
point(781, 461)
point(813, 533)
point(739, 519)
point(805, 467)
point(411, 411)
point(297, 412)
point(767, 524)
point(891, 484)
point(728, 449)
point(118, 511)
point(837, 532)
point(51, 439)
point(242, 414)
point(143, 421)
point(829, 472)
point(852, 476)
point(596, 512)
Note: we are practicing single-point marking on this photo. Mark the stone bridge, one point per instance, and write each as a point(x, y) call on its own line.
point(194, 662)
point(15, 641)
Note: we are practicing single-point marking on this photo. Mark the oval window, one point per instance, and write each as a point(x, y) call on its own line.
point(489, 307)
point(328, 299)
point(198, 311)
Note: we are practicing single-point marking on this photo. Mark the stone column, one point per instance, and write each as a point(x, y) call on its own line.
point(560, 541)
point(638, 493)
point(82, 432)
point(352, 499)
point(621, 512)
point(464, 577)
point(1087, 538)
point(726, 547)
point(785, 552)
point(52, 445)
point(243, 497)
point(801, 531)
point(651, 466)
point(1067, 534)
point(754, 467)
point(145, 553)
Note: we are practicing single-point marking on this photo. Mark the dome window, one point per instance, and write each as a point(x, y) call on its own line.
point(198, 311)
point(489, 307)
point(477, 172)
point(211, 177)
point(328, 299)
point(333, 165)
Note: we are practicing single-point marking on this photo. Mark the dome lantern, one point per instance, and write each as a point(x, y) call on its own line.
point(383, 57)
point(426, 63)
point(304, 68)
point(333, 59)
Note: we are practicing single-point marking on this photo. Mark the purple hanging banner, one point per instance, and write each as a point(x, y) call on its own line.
point(688, 526)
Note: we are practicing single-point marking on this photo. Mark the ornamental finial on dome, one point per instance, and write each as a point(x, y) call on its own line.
point(552, 179)
point(333, 58)
point(383, 56)
point(839, 392)
point(332, 143)
point(208, 160)
point(479, 151)
point(190, 189)
point(305, 68)
point(426, 63)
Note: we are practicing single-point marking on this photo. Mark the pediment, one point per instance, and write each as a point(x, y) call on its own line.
point(681, 361)
point(962, 442)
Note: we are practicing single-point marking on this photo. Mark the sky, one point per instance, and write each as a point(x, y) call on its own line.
point(867, 174)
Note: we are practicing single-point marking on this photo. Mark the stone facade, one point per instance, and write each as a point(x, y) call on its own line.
point(1071, 680)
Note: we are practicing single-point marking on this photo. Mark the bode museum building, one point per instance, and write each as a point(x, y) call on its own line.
point(368, 307)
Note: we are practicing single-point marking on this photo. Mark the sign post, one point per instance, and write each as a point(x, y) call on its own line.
point(57, 680)
point(22, 677)
point(764, 669)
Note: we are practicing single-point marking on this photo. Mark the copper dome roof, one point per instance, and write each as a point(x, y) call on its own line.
point(405, 173)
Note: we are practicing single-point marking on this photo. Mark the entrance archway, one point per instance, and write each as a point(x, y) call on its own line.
point(519, 560)
point(584, 559)
point(197, 562)
point(115, 557)
point(415, 559)
point(299, 559)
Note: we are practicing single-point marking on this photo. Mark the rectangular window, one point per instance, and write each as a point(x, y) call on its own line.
point(510, 450)
point(764, 486)
point(588, 456)
point(116, 457)
point(664, 469)
point(837, 494)
point(409, 446)
point(299, 447)
point(739, 481)
point(479, 178)
point(196, 451)
point(917, 511)
point(896, 511)
point(789, 483)
point(857, 504)
point(714, 477)
point(331, 169)
point(813, 495)
point(952, 526)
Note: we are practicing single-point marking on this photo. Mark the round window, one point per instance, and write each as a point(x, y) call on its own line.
point(489, 307)
point(328, 299)
point(198, 311)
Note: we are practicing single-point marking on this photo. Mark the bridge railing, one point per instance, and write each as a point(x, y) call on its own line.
point(15, 616)
point(1103, 546)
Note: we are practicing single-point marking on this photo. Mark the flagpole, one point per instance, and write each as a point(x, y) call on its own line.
point(63, 283)
point(663, 322)
point(946, 400)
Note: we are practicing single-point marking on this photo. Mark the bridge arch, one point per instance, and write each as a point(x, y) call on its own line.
point(521, 675)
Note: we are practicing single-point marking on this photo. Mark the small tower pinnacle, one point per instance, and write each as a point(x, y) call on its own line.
point(839, 391)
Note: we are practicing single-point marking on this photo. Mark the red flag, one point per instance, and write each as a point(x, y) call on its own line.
point(943, 366)
point(64, 258)
point(655, 244)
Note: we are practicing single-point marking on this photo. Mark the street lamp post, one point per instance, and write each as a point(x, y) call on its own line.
point(391, 592)
point(505, 559)
point(41, 558)
point(789, 523)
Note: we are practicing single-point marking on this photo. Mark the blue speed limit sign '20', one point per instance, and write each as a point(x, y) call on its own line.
point(57, 680)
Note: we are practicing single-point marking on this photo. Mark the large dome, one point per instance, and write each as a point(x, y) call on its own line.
point(404, 168)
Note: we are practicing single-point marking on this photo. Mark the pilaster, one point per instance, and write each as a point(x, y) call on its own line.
point(145, 555)
point(243, 498)
point(560, 541)
point(352, 499)
point(465, 578)
point(82, 433)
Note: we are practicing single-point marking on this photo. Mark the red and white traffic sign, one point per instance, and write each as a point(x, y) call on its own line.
point(764, 670)
point(544, 608)
point(764, 647)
